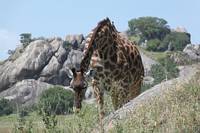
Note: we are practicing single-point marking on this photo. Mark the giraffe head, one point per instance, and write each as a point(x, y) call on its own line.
point(79, 85)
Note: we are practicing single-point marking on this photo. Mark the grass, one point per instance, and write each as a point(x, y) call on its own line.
point(83, 122)
point(154, 55)
point(175, 111)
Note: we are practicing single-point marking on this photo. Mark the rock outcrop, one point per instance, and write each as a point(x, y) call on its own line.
point(75, 41)
point(46, 60)
point(42, 64)
point(147, 62)
point(26, 92)
point(193, 51)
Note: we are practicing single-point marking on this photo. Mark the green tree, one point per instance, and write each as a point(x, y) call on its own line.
point(25, 38)
point(153, 44)
point(176, 40)
point(149, 27)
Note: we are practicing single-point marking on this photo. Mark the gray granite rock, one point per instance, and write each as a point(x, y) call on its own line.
point(193, 51)
point(75, 40)
point(44, 60)
point(26, 92)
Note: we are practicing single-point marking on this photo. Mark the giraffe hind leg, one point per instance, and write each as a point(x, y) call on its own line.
point(119, 97)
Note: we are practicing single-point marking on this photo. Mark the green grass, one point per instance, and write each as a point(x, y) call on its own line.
point(83, 122)
point(174, 111)
point(154, 55)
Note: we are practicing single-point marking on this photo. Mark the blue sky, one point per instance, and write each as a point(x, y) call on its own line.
point(61, 17)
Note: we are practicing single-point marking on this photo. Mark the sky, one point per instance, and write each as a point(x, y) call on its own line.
point(49, 18)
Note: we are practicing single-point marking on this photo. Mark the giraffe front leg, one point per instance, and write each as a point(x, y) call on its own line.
point(99, 97)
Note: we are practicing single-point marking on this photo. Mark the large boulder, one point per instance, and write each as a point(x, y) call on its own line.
point(74, 59)
point(26, 92)
point(180, 58)
point(28, 64)
point(193, 51)
point(45, 60)
point(75, 40)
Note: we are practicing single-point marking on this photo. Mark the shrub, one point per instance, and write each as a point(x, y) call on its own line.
point(6, 107)
point(56, 100)
point(167, 69)
point(176, 40)
point(153, 44)
point(170, 67)
point(158, 73)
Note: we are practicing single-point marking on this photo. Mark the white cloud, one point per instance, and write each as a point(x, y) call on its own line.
point(8, 40)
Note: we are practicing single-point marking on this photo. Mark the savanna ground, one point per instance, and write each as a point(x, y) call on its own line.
point(176, 111)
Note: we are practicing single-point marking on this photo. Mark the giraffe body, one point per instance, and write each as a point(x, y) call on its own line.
point(117, 66)
point(116, 62)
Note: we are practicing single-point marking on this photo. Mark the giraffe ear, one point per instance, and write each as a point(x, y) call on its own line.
point(73, 71)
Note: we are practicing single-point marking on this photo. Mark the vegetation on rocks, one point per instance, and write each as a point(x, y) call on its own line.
point(175, 41)
point(175, 111)
point(157, 34)
point(149, 27)
point(165, 70)
point(153, 44)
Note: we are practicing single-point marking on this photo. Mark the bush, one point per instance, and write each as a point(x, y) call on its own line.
point(176, 40)
point(56, 100)
point(170, 67)
point(153, 44)
point(158, 73)
point(167, 69)
point(6, 107)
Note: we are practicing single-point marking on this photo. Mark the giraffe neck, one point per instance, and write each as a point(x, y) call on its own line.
point(100, 40)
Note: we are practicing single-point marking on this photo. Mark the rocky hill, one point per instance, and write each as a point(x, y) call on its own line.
point(44, 62)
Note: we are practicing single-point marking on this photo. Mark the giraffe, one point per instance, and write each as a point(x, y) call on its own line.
point(116, 63)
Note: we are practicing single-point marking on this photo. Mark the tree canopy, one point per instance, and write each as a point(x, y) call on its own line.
point(149, 27)
point(176, 40)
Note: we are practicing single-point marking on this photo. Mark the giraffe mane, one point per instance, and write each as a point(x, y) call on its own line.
point(93, 35)
point(99, 25)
